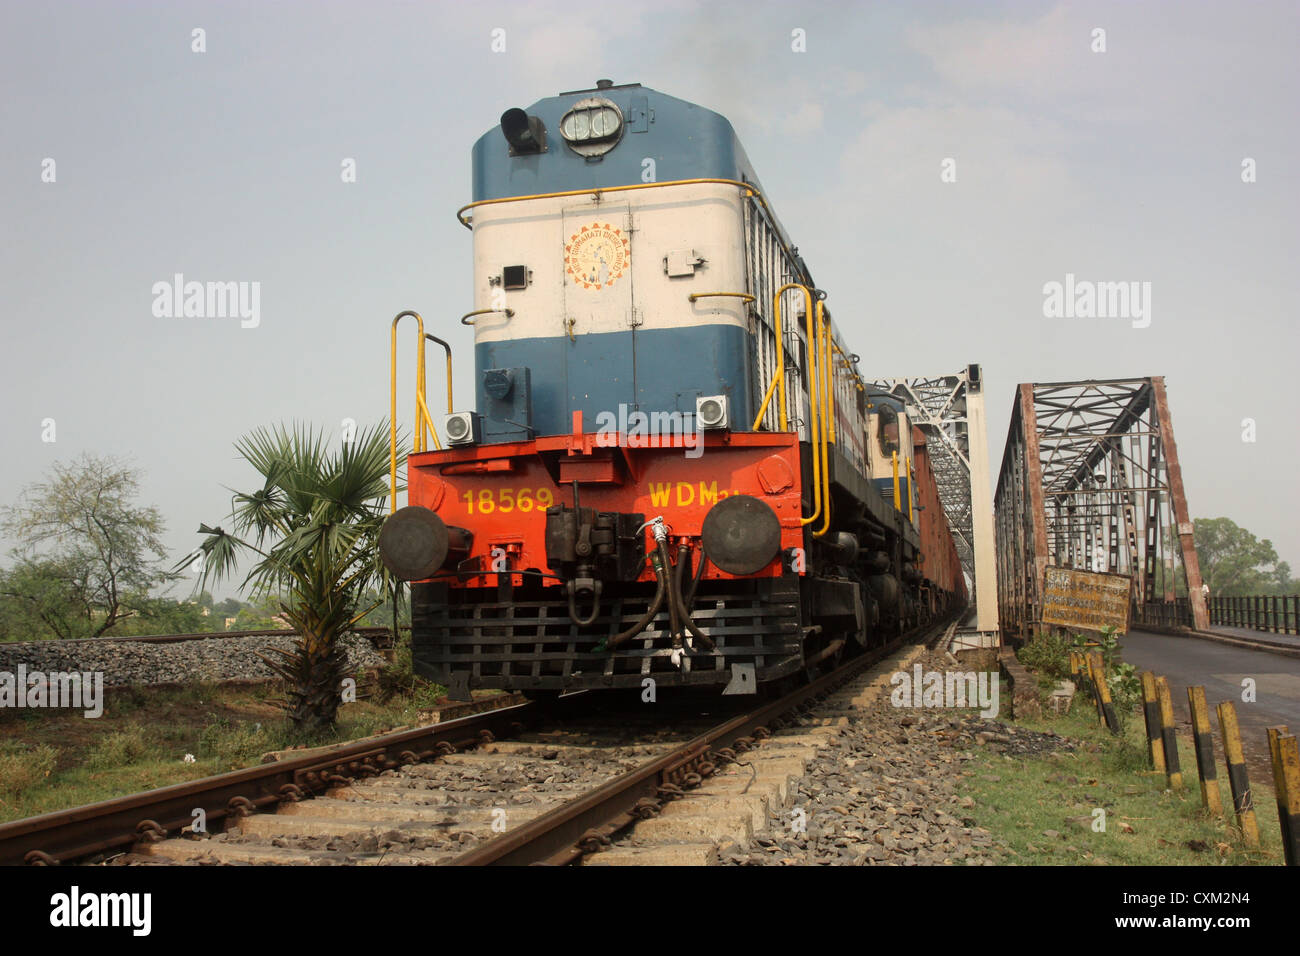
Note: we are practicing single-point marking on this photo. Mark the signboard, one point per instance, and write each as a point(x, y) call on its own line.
point(1086, 599)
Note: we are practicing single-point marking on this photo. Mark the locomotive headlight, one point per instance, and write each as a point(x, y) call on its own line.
point(462, 428)
point(593, 126)
point(711, 411)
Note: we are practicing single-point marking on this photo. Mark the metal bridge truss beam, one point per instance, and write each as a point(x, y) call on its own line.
point(1090, 479)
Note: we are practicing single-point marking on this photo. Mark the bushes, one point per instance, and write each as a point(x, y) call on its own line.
point(399, 678)
point(235, 742)
point(118, 749)
point(1049, 654)
point(22, 767)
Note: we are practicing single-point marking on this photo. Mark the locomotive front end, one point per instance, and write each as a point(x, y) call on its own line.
point(603, 516)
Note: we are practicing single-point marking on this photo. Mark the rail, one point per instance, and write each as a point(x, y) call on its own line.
point(696, 296)
point(113, 826)
point(1276, 613)
point(423, 420)
point(826, 387)
point(465, 319)
point(778, 374)
point(1175, 613)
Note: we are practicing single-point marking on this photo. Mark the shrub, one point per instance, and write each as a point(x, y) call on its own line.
point(25, 768)
point(1049, 654)
point(118, 749)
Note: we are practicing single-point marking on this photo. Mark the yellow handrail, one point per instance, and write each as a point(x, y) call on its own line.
point(460, 213)
point(898, 501)
point(423, 420)
point(711, 295)
point(509, 313)
point(779, 375)
point(814, 431)
point(827, 383)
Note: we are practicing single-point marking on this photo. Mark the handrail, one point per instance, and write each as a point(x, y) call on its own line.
point(710, 295)
point(779, 375)
point(826, 379)
point(423, 420)
point(509, 313)
point(434, 338)
point(898, 500)
point(460, 213)
point(911, 483)
point(814, 422)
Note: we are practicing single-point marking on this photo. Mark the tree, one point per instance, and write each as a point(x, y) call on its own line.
point(80, 530)
point(313, 527)
point(40, 597)
point(1234, 562)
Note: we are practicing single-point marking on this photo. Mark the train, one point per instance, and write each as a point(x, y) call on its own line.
point(674, 470)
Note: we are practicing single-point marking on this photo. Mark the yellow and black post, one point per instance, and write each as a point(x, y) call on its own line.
point(1242, 803)
point(1151, 712)
point(1098, 667)
point(1282, 746)
point(1168, 735)
point(1203, 738)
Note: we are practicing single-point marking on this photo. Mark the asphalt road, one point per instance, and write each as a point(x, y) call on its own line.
point(1220, 669)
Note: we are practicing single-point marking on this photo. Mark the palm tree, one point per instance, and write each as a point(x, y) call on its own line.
point(314, 527)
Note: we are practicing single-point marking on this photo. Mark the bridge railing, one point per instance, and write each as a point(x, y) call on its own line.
point(1276, 613)
point(1175, 613)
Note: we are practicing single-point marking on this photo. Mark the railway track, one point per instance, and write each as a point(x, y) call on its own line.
point(561, 779)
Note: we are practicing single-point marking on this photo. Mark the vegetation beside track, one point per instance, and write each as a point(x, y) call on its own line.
point(1041, 808)
point(56, 759)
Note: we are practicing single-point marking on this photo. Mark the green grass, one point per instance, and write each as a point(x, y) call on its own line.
point(1146, 824)
point(52, 760)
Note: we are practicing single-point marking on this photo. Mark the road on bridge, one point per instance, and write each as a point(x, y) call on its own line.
point(1220, 669)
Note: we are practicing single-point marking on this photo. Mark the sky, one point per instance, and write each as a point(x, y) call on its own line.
point(937, 165)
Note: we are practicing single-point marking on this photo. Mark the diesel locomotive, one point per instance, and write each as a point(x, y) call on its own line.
point(673, 469)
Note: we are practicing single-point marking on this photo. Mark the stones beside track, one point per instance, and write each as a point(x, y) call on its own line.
point(133, 662)
point(855, 782)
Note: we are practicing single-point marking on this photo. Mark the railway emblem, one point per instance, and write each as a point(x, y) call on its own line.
point(596, 255)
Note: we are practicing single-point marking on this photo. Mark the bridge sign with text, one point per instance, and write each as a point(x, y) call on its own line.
point(1090, 600)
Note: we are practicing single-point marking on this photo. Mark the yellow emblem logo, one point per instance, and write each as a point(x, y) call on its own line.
point(596, 255)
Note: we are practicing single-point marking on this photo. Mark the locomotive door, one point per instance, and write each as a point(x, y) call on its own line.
point(599, 348)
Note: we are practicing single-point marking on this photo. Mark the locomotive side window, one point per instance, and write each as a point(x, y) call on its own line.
point(887, 430)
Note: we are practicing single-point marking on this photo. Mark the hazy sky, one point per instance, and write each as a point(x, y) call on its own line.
point(1123, 165)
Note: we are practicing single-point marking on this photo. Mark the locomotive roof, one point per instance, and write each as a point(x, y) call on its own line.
point(686, 141)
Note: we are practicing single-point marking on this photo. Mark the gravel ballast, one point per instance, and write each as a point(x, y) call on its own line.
point(892, 790)
point(135, 662)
